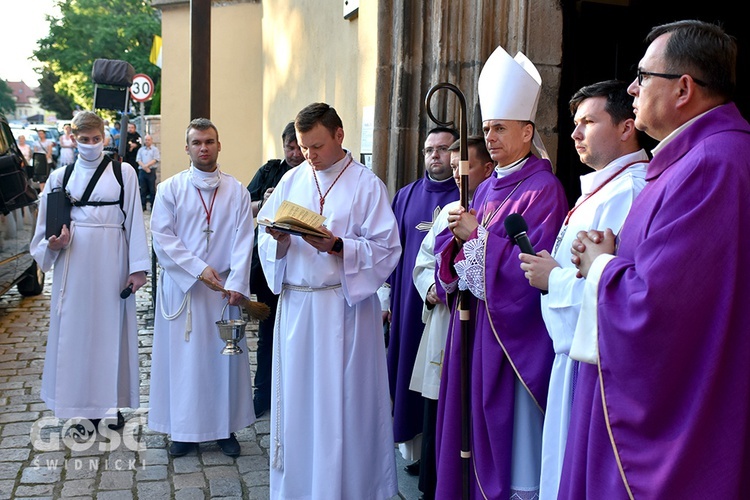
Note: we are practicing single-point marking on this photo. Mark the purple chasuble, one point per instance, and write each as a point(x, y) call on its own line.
point(673, 332)
point(508, 338)
point(415, 206)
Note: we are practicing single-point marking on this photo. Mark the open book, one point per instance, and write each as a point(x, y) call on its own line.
point(295, 219)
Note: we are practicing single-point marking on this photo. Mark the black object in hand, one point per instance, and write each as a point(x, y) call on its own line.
point(516, 227)
point(126, 292)
point(58, 212)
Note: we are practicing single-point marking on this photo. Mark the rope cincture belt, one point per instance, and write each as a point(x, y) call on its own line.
point(277, 461)
point(297, 288)
point(66, 262)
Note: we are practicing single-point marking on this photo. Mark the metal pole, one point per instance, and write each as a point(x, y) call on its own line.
point(123, 135)
point(200, 59)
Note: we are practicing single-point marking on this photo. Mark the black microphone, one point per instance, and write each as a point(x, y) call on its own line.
point(516, 227)
point(126, 291)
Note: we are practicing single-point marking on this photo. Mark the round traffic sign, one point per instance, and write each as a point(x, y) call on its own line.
point(142, 88)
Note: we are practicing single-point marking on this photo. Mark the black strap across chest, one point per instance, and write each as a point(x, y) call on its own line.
point(84, 201)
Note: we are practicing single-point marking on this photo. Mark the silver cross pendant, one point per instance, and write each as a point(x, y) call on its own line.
point(208, 232)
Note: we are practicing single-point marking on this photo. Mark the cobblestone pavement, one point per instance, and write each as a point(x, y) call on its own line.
point(42, 465)
point(107, 469)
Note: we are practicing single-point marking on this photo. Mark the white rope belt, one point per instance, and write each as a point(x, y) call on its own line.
point(297, 288)
point(66, 261)
point(183, 306)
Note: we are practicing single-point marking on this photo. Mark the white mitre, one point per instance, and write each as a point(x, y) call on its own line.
point(509, 89)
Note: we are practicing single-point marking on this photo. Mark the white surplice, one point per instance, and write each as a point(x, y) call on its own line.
point(197, 393)
point(331, 431)
point(428, 365)
point(91, 364)
point(608, 208)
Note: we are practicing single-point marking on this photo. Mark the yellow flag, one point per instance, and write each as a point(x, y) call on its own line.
point(155, 56)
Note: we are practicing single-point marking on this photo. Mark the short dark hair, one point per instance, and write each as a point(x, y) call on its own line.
point(318, 112)
point(619, 103)
point(289, 134)
point(201, 124)
point(440, 130)
point(478, 143)
point(702, 50)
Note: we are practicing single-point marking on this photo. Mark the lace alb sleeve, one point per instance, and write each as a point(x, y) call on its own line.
point(471, 270)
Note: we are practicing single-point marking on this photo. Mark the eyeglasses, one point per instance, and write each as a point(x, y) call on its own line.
point(669, 76)
point(430, 151)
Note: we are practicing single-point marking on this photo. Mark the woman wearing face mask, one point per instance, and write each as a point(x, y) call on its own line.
point(91, 364)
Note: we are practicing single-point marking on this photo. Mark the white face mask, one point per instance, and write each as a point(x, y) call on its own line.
point(90, 152)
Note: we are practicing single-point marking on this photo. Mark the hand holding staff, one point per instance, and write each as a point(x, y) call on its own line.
point(463, 296)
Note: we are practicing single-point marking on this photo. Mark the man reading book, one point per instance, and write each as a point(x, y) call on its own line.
point(295, 219)
point(329, 373)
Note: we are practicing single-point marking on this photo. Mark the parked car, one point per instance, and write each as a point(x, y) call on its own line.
point(29, 133)
point(19, 199)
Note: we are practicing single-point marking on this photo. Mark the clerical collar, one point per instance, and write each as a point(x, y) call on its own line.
point(513, 167)
point(204, 180)
point(441, 180)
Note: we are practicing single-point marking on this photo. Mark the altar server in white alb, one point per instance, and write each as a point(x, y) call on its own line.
point(202, 229)
point(331, 431)
point(607, 141)
point(91, 364)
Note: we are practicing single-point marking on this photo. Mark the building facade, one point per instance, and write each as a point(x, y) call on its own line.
point(375, 61)
point(28, 110)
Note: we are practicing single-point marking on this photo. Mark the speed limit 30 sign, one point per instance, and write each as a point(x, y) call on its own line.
point(142, 88)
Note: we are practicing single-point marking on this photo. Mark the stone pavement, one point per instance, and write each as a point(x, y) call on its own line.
point(130, 464)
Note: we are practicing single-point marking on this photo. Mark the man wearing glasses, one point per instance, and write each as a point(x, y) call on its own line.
point(415, 206)
point(661, 407)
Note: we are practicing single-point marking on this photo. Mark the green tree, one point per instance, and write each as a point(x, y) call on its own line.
point(7, 103)
point(97, 29)
point(51, 99)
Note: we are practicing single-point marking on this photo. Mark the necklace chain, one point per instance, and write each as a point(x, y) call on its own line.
point(317, 184)
point(208, 210)
point(564, 228)
point(592, 193)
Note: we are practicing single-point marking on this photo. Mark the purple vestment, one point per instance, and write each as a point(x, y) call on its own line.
point(673, 332)
point(415, 206)
point(508, 336)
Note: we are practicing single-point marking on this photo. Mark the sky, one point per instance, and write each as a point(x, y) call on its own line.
point(20, 31)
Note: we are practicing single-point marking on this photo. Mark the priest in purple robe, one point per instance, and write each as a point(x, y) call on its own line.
point(661, 408)
point(510, 352)
point(415, 205)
